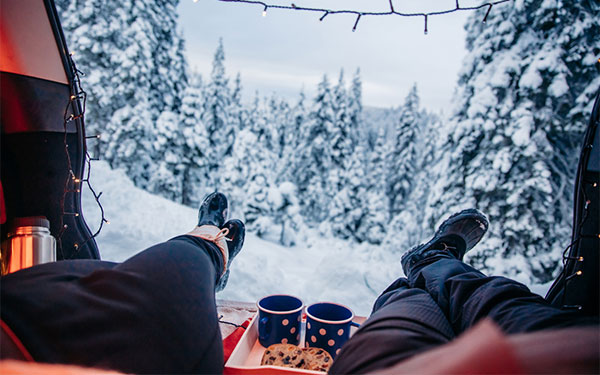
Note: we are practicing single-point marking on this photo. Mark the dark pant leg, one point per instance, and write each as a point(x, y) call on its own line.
point(154, 313)
point(404, 322)
point(466, 295)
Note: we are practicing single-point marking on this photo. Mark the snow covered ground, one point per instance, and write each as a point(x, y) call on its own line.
point(322, 269)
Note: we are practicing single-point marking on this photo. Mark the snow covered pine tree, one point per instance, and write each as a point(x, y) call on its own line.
point(519, 116)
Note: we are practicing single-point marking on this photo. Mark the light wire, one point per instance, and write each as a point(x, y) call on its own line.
point(392, 11)
point(73, 182)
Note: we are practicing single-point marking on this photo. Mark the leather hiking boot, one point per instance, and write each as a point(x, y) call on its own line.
point(455, 236)
point(213, 210)
point(235, 241)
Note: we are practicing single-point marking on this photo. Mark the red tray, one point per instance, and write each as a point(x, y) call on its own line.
point(245, 358)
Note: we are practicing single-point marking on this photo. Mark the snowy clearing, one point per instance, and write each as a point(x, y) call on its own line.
point(323, 269)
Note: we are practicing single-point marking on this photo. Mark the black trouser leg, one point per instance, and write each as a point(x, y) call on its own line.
point(466, 295)
point(154, 313)
point(404, 322)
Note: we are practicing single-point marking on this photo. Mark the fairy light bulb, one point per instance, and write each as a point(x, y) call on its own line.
point(264, 12)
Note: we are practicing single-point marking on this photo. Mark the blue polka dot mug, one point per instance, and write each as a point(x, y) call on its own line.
point(328, 326)
point(279, 319)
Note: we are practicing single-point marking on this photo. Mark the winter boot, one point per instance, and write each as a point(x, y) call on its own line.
point(235, 240)
point(227, 236)
point(211, 217)
point(213, 210)
point(457, 235)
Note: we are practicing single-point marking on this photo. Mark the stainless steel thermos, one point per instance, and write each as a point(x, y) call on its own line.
point(29, 243)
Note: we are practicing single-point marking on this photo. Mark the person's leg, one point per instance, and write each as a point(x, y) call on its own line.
point(154, 313)
point(404, 322)
point(467, 295)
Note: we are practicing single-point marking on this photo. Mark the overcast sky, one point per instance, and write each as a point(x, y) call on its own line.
point(287, 51)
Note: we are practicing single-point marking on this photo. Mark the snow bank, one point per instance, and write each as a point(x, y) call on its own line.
point(322, 269)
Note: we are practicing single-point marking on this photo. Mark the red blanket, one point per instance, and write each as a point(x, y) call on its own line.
point(231, 341)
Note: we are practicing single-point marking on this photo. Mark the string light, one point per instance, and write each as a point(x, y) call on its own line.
point(78, 100)
point(578, 236)
point(325, 12)
point(487, 13)
point(356, 23)
point(579, 259)
point(578, 273)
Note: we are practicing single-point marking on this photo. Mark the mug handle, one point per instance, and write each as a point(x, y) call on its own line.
point(262, 328)
point(354, 324)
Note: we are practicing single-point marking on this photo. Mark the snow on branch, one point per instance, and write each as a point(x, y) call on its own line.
point(325, 12)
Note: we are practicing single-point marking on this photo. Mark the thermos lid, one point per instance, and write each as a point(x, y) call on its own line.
point(30, 221)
